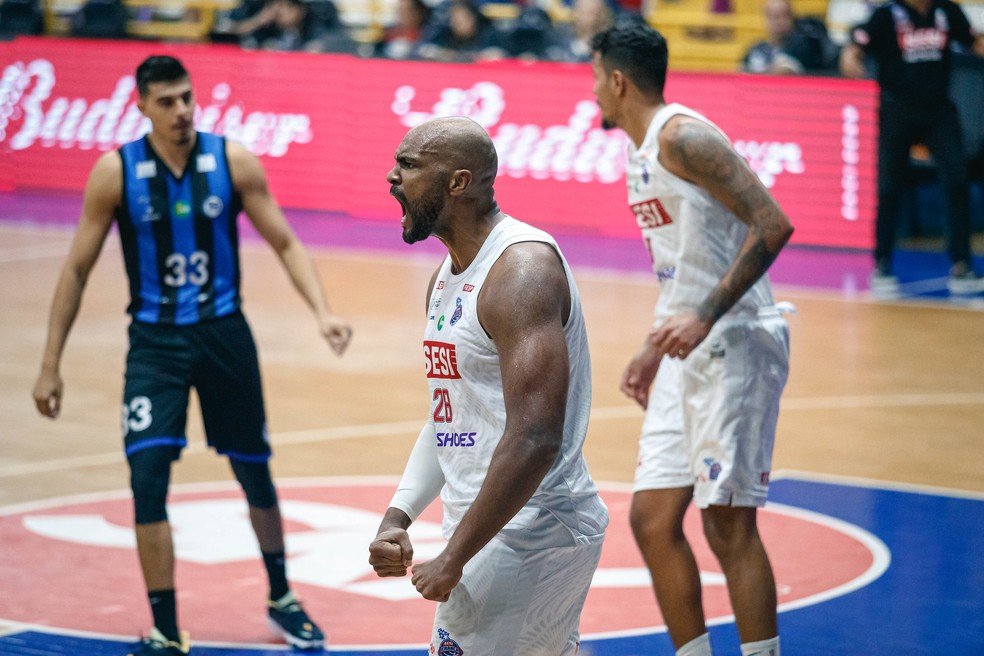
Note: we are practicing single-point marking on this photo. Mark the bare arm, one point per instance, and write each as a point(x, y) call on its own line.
point(249, 180)
point(522, 306)
point(697, 152)
point(102, 195)
point(852, 61)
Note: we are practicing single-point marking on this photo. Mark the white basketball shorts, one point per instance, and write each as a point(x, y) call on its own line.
point(515, 601)
point(711, 419)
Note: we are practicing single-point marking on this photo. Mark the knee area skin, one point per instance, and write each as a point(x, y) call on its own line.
point(257, 483)
point(656, 521)
point(729, 530)
point(150, 476)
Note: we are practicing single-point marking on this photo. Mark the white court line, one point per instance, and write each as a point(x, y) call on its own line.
point(10, 628)
point(412, 426)
point(584, 271)
point(883, 401)
point(279, 439)
point(37, 252)
point(881, 557)
point(47, 250)
point(875, 483)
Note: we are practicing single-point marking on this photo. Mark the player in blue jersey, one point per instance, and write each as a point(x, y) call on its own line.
point(175, 195)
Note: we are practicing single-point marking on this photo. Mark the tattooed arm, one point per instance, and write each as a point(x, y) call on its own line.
point(698, 153)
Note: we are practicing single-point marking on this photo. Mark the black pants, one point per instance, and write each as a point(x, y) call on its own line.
point(900, 126)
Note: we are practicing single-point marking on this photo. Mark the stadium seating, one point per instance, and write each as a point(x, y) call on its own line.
point(173, 20)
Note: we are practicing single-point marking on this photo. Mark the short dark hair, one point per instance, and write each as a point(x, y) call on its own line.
point(159, 68)
point(638, 51)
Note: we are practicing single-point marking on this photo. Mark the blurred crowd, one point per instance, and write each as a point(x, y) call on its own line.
point(448, 30)
point(460, 30)
point(442, 30)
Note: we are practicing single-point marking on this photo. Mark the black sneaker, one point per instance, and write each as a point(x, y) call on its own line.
point(158, 645)
point(288, 620)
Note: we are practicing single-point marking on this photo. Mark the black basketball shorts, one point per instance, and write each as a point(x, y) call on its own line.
point(217, 358)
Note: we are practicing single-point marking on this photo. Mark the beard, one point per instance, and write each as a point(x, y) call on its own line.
point(422, 214)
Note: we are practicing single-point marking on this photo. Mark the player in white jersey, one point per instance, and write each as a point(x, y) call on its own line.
point(718, 349)
point(509, 374)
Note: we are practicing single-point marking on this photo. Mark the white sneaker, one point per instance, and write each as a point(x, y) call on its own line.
point(884, 286)
point(965, 283)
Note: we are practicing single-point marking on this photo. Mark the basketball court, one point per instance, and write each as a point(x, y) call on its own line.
point(876, 516)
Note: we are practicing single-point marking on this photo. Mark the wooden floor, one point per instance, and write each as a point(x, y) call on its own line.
point(881, 391)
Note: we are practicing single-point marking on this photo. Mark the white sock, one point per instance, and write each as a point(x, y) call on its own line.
point(699, 646)
point(768, 647)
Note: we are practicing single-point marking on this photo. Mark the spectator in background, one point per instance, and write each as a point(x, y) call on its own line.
point(100, 19)
point(289, 25)
point(910, 42)
point(463, 34)
point(794, 46)
point(588, 17)
point(233, 24)
point(400, 41)
point(531, 36)
point(20, 17)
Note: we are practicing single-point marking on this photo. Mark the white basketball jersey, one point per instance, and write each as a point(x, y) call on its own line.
point(467, 406)
point(691, 237)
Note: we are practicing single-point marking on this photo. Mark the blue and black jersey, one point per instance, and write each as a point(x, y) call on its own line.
point(179, 234)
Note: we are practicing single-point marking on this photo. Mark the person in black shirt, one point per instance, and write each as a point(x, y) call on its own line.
point(910, 41)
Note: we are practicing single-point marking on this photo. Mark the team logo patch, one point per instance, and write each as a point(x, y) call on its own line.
point(447, 646)
point(149, 215)
point(666, 273)
point(212, 207)
point(468, 288)
point(456, 439)
point(457, 311)
point(440, 284)
point(146, 169)
point(440, 360)
point(440, 322)
point(206, 163)
point(181, 210)
point(713, 468)
point(651, 214)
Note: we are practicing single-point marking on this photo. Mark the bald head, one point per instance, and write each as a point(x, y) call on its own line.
point(459, 143)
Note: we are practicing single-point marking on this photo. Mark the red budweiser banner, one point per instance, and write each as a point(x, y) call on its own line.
point(326, 128)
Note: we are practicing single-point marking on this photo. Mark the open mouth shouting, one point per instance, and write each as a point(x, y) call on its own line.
point(398, 195)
